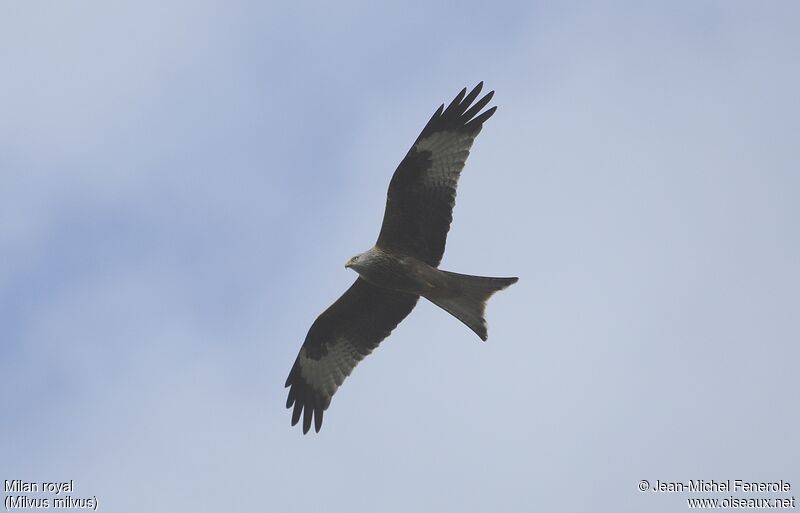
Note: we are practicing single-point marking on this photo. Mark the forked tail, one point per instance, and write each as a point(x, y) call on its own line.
point(465, 298)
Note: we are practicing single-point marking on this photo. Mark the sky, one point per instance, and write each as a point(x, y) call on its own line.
point(181, 183)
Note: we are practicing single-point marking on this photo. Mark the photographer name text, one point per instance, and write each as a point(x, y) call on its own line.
point(727, 485)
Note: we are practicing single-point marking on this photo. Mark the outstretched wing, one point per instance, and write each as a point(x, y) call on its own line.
point(422, 193)
point(341, 337)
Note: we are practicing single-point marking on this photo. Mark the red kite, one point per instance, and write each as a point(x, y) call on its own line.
point(402, 265)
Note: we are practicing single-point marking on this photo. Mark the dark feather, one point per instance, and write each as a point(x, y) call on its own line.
point(340, 337)
point(478, 106)
point(421, 197)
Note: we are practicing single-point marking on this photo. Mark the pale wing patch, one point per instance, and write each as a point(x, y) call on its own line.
point(328, 373)
point(449, 151)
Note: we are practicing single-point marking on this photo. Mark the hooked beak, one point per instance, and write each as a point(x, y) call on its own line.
point(349, 263)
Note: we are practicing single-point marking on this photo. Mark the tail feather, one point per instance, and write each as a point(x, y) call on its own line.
point(465, 298)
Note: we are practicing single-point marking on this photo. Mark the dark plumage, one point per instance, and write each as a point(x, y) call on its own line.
point(402, 266)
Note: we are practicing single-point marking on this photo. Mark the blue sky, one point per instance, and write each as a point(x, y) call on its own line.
point(181, 182)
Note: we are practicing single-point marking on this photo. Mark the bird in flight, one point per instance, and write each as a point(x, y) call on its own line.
point(402, 265)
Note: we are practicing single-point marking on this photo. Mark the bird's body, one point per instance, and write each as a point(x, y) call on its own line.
point(464, 296)
point(402, 266)
point(397, 272)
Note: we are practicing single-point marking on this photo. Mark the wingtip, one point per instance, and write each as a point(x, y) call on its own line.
point(456, 101)
point(298, 410)
point(308, 415)
point(477, 122)
point(477, 89)
point(486, 115)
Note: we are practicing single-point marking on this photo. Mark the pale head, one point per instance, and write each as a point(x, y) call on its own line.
point(360, 261)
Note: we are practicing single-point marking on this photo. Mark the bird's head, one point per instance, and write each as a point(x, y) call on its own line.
point(353, 262)
point(358, 261)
